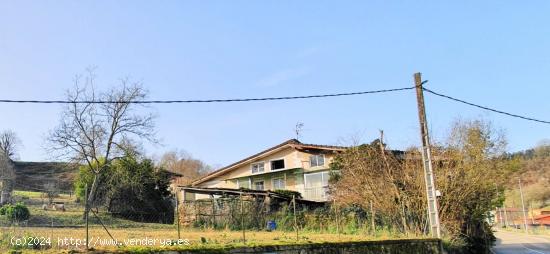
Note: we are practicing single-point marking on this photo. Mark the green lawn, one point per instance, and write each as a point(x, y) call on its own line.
point(71, 217)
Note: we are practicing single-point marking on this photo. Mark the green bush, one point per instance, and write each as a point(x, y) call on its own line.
point(17, 212)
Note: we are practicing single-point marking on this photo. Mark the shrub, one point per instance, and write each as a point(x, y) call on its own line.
point(17, 212)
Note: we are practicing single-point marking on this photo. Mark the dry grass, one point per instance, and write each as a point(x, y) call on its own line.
point(194, 238)
point(123, 230)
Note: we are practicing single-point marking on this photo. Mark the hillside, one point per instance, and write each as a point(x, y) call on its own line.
point(32, 176)
point(533, 167)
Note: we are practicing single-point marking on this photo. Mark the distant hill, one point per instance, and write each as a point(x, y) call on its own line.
point(533, 167)
point(32, 176)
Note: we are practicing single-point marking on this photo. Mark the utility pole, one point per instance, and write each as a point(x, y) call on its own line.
point(433, 215)
point(523, 207)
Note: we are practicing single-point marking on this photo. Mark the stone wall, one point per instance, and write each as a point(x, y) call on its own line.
point(409, 246)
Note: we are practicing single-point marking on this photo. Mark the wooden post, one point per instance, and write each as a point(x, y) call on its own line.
point(373, 226)
point(178, 215)
point(213, 218)
point(337, 213)
point(295, 221)
point(433, 214)
point(242, 217)
point(86, 217)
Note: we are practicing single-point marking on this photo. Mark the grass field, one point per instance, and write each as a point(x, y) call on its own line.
point(54, 230)
point(59, 239)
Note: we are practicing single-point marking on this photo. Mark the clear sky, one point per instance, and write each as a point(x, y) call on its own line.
point(495, 53)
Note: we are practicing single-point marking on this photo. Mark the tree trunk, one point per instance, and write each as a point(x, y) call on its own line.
point(91, 195)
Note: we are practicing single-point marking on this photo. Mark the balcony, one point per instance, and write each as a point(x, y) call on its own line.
point(316, 193)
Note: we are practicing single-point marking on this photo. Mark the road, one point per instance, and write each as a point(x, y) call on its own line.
point(511, 242)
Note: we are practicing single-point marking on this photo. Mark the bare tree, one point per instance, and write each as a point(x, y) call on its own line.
point(9, 143)
point(182, 163)
point(97, 133)
point(51, 191)
point(469, 171)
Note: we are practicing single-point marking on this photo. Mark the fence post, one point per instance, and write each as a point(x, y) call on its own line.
point(51, 234)
point(295, 221)
point(242, 217)
point(86, 216)
point(213, 211)
point(373, 226)
point(336, 213)
point(177, 215)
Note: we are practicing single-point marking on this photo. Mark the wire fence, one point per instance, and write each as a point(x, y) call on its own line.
point(245, 219)
point(60, 223)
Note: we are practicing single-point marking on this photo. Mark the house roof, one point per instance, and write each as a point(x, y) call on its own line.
point(542, 216)
point(289, 143)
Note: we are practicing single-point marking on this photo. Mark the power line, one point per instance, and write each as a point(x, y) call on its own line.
point(207, 101)
point(272, 99)
point(486, 108)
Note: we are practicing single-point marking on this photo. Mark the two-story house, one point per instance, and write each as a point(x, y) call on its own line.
point(291, 165)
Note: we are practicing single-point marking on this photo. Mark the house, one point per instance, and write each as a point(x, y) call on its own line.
point(291, 165)
point(543, 218)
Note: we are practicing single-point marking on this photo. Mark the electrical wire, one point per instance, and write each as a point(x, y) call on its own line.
point(207, 101)
point(274, 99)
point(486, 108)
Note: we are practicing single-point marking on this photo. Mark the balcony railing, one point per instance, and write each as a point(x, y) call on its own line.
point(316, 193)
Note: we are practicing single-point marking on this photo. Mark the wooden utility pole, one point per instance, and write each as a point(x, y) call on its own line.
point(523, 207)
point(433, 215)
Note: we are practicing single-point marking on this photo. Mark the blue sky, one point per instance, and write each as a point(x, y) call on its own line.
point(495, 53)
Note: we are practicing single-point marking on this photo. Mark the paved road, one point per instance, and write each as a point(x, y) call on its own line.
point(510, 242)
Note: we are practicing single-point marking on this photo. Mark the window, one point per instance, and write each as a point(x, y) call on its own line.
point(243, 183)
point(257, 167)
point(277, 164)
point(316, 186)
point(278, 183)
point(316, 180)
point(317, 160)
point(259, 185)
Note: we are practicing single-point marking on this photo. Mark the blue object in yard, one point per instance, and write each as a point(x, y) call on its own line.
point(271, 225)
